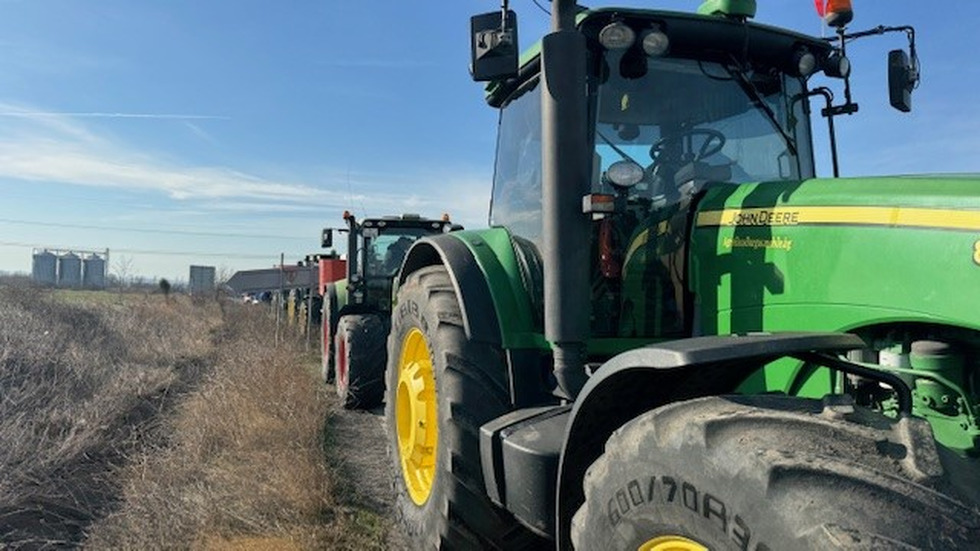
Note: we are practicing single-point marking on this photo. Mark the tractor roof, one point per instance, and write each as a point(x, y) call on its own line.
point(690, 34)
point(405, 221)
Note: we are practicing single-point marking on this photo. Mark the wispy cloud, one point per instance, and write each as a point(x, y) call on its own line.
point(202, 134)
point(47, 146)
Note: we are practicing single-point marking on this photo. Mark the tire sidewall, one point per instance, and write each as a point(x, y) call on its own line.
point(328, 322)
point(765, 472)
point(326, 340)
point(669, 493)
point(420, 520)
point(341, 363)
point(361, 352)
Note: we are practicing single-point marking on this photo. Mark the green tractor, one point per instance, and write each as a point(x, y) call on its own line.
point(673, 335)
point(356, 309)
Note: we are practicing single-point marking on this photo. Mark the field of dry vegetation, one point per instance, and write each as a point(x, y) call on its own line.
point(135, 421)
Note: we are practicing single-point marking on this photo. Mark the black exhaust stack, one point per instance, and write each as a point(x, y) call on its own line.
point(565, 179)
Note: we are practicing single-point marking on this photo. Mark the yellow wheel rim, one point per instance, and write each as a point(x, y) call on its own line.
point(672, 543)
point(415, 416)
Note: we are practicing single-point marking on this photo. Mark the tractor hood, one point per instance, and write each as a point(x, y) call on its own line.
point(837, 254)
point(942, 201)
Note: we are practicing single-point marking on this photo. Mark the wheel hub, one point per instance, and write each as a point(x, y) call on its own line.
point(415, 416)
point(672, 543)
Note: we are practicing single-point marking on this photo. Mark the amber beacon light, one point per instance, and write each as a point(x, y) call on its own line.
point(835, 13)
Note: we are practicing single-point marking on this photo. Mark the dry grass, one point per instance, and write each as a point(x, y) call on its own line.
point(79, 385)
point(244, 468)
point(134, 422)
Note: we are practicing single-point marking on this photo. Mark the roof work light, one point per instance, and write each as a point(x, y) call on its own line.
point(655, 42)
point(805, 62)
point(617, 36)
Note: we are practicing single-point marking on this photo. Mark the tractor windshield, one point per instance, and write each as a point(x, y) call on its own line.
point(684, 120)
point(688, 119)
point(385, 249)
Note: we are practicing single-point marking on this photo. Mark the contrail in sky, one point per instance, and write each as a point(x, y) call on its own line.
point(101, 115)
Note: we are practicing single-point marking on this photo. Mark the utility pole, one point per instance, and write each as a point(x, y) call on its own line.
point(279, 302)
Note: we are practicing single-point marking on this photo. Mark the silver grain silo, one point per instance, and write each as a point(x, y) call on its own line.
point(69, 270)
point(93, 273)
point(45, 268)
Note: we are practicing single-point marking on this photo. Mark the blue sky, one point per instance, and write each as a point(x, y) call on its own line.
point(225, 132)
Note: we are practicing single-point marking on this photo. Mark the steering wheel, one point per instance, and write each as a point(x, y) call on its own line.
point(713, 142)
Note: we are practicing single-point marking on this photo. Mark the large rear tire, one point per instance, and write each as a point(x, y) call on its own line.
point(328, 325)
point(360, 360)
point(771, 473)
point(441, 388)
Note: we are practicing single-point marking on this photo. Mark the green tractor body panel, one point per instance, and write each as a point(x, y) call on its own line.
point(729, 8)
point(832, 255)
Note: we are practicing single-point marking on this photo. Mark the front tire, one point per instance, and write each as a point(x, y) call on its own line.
point(441, 388)
point(360, 360)
point(767, 472)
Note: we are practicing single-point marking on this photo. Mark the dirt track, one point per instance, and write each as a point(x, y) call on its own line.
point(358, 451)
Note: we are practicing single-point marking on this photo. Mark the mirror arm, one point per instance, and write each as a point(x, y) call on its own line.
point(879, 30)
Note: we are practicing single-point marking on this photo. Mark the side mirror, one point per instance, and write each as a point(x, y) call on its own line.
point(901, 80)
point(327, 238)
point(493, 46)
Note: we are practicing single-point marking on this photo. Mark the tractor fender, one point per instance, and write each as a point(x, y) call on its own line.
point(643, 379)
point(469, 282)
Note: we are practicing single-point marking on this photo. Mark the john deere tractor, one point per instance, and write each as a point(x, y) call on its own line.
point(673, 335)
point(356, 310)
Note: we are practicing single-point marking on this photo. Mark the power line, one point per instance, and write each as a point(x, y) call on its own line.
point(156, 252)
point(150, 230)
point(542, 8)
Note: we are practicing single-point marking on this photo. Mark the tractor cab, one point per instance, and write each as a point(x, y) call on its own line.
point(376, 248)
point(677, 103)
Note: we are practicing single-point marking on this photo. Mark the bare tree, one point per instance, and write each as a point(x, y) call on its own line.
point(221, 275)
point(123, 270)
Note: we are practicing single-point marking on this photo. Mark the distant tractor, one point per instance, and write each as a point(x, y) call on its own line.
point(674, 336)
point(357, 309)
